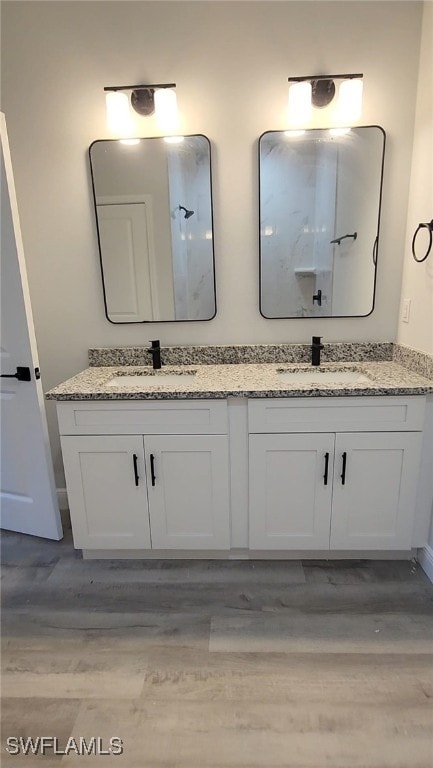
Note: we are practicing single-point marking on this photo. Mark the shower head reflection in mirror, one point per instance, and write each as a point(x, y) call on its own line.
point(188, 213)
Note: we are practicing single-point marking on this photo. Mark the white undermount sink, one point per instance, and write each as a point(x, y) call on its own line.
point(323, 375)
point(151, 378)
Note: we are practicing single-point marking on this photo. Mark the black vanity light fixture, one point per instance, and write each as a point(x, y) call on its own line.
point(159, 99)
point(319, 91)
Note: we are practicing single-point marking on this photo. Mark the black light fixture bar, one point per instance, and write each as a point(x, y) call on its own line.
point(137, 87)
point(323, 77)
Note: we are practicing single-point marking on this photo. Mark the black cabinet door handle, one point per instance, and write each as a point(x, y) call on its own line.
point(325, 476)
point(152, 468)
point(343, 468)
point(318, 297)
point(136, 475)
point(22, 374)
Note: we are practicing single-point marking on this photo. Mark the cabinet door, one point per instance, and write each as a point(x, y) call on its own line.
point(290, 491)
point(188, 491)
point(106, 484)
point(374, 498)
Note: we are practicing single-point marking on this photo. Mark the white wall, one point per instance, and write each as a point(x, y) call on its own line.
point(230, 61)
point(418, 278)
point(417, 282)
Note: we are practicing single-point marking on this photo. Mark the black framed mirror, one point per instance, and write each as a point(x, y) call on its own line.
point(320, 196)
point(153, 206)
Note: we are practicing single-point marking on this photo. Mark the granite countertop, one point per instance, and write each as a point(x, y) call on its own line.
point(244, 380)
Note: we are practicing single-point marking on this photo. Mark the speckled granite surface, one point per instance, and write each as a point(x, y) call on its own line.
point(419, 362)
point(246, 380)
point(247, 354)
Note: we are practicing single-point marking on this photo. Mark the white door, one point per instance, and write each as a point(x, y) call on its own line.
point(290, 491)
point(126, 264)
point(188, 486)
point(375, 480)
point(106, 484)
point(27, 494)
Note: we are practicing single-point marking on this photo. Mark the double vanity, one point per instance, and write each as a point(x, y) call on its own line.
point(243, 452)
point(247, 451)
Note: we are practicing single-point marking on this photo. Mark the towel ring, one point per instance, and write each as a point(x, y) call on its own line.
point(429, 226)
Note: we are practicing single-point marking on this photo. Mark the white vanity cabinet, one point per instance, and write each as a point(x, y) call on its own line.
point(290, 502)
point(107, 493)
point(374, 490)
point(322, 489)
point(188, 491)
point(242, 477)
point(157, 487)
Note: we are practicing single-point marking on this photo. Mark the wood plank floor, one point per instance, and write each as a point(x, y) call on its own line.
point(198, 664)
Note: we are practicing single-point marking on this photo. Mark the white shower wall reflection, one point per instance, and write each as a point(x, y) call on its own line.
point(154, 216)
point(191, 232)
point(316, 187)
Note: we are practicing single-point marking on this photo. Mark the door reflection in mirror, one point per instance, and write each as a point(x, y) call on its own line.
point(320, 194)
point(153, 204)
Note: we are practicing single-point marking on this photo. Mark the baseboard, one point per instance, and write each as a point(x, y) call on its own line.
point(425, 559)
point(244, 554)
point(62, 498)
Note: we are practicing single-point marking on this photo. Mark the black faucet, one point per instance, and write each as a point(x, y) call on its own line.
point(316, 348)
point(155, 351)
